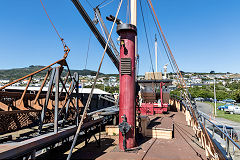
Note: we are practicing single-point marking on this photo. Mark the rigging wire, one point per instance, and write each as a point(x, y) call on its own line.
point(169, 50)
point(66, 49)
point(88, 49)
point(104, 34)
point(165, 49)
point(164, 46)
point(102, 29)
point(149, 52)
point(101, 3)
point(93, 86)
point(89, 4)
point(128, 12)
point(181, 79)
point(106, 4)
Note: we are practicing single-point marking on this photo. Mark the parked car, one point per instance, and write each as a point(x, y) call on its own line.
point(208, 99)
point(229, 101)
point(236, 110)
point(230, 109)
point(199, 99)
point(223, 107)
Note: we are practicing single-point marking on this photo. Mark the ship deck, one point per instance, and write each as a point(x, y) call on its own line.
point(184, 145)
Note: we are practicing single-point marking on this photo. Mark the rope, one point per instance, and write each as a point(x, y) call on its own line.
point(88, 50)
point(66, 49)
point(91, 93)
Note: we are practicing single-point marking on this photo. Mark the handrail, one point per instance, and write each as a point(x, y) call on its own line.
point(201, 118)
point(221, 131)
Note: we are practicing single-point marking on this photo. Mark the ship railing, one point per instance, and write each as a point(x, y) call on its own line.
point(193, 118)
point(222, 136)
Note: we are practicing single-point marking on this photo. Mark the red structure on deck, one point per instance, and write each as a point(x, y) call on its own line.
point(127, 33)
point(154, 102)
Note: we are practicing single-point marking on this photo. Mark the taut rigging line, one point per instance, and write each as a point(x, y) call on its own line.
point(169, 50)
point(173, 59)
point(88, 50)
point(149, 52)
point(93, 86)
point(66, 49)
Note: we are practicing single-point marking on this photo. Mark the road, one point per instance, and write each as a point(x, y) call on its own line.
point(205, 108)
point(208, 109)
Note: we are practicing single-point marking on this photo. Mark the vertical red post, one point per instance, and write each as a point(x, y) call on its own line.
point(127, 33)
point(161, 93)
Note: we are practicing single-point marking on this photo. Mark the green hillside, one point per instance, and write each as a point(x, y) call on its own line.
point(16, 73)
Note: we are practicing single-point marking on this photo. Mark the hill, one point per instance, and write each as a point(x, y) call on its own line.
point(15, 73)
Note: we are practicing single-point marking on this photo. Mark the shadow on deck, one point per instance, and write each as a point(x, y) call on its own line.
point(184, 145)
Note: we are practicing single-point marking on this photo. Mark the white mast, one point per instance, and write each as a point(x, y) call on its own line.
point(134, 12)
point(133, 5)
point(156, 52)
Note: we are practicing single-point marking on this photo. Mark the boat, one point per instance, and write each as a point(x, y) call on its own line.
point(144, 122)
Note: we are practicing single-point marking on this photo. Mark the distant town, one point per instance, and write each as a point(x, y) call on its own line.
point(199, 84)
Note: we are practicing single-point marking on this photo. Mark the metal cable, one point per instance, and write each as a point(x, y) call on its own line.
point(88, 50)
point(164, 46)
point(161, 40)
point(66, 49)
point(173, 59)
point(104, 35)
point(50, 20)
point(127, 12)
point(101, 3)
point(91, 93)
point(89, 4)
point(105, 4)
point(149, 52)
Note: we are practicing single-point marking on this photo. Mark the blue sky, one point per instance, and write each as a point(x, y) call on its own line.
point(204, 35)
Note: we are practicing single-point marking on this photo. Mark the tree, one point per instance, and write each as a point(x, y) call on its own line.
point(236, 95)
point(212, 72)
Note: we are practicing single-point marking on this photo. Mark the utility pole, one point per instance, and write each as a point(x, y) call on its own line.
point(215, 100)
point(156, 52)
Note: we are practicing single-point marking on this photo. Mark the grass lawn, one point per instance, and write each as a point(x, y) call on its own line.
point(232, 117)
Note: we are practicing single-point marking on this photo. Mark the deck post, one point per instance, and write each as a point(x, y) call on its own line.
point(56, 101)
